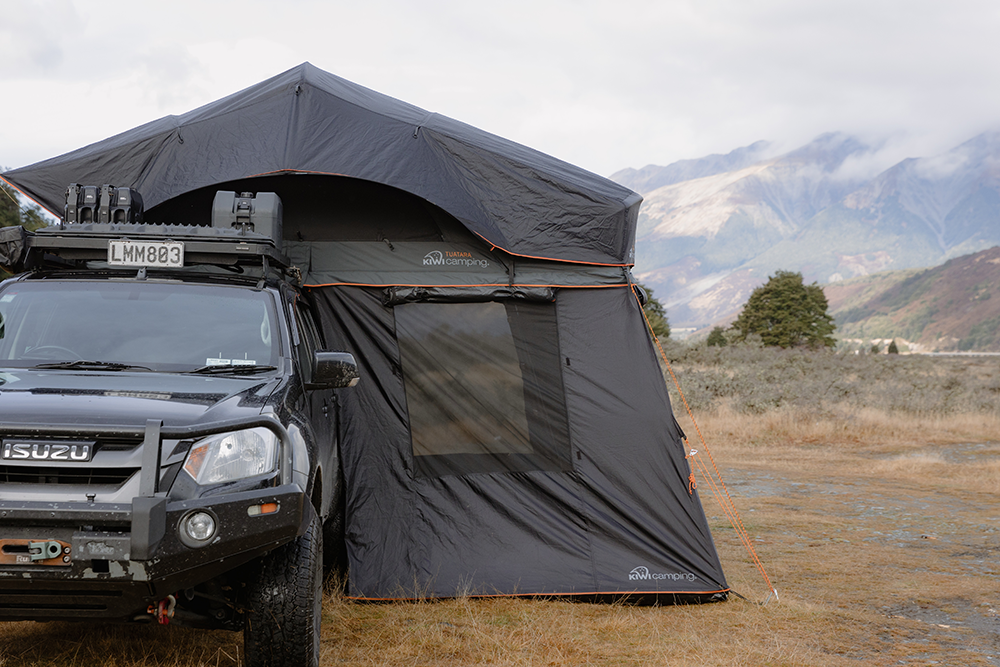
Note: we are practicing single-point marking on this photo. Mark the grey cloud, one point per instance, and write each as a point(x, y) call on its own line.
point(604, 85)
point(34, 38)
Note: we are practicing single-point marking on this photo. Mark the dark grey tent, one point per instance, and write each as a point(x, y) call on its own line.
point(512, 433)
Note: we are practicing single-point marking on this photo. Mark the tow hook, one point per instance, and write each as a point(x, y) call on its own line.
point(44, 550)
point(163, 610)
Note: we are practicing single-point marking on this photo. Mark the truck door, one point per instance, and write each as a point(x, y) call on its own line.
point(319, 402)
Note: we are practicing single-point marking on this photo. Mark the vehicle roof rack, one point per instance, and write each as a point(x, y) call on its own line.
point(201, 244)
point(105, 224)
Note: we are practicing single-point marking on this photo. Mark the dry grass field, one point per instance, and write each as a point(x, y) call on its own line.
point(877, 522)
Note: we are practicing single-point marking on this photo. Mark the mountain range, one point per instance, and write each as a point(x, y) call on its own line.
point(711, 229)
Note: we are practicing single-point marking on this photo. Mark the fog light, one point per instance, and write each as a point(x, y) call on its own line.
point(199, 527)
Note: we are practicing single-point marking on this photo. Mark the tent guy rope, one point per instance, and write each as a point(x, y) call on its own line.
point(713, 477)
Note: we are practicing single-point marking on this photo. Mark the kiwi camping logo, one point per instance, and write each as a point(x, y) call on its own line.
point(642, 573)
point(453, 258)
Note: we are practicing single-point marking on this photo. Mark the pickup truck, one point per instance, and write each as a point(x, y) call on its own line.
point(168, 418)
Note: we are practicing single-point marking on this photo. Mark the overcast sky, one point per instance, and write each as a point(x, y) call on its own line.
point(605, 85)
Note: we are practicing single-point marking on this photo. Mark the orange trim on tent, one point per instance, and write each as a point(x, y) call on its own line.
point(463, 285)
point(29, 198)
point(550, 595)
point(493, 245)
point(549, 259)
point(277, 172)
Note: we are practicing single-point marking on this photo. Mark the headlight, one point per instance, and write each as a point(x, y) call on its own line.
point(229, 456)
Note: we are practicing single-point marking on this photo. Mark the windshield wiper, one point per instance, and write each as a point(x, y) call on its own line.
point(84, 364)
point(244, 369)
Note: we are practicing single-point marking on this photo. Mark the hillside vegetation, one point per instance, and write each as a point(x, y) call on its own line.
point(952, 307)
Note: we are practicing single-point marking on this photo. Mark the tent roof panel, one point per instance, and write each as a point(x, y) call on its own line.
point(305, 119)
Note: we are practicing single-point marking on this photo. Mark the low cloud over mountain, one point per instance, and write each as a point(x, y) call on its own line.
point(712, 229)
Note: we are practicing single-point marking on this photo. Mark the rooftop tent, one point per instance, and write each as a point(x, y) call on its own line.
point(512, 433)
point(308, 120)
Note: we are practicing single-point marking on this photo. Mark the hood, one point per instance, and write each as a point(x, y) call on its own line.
point(127, 399)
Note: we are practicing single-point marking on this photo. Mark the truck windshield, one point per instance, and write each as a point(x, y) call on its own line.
point(159, 326)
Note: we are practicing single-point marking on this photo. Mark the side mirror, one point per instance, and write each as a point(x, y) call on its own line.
point(332, 370)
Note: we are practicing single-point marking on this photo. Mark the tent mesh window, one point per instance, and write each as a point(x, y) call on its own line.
point(483, 387)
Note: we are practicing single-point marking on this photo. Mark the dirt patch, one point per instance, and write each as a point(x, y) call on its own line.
point(908, 543)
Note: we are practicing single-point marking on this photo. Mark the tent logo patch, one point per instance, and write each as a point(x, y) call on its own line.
point(642, 573)
point(453, 258)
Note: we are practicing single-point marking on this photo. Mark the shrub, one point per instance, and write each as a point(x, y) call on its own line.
point(755, 379)
point(717, 338)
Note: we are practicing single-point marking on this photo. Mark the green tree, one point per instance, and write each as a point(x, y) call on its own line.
point(13, 213)
point(717, 338)
point(785, 312)
point(10, 210)
point(655, 313)
point(892, 347)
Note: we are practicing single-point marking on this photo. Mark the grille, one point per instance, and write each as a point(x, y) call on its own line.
point(117, 444)
point(81, 476)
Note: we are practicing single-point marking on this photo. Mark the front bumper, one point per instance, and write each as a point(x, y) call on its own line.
point(99, 577)
point(89, 560)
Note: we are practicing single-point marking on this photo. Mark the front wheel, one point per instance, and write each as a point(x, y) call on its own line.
point(284, 600)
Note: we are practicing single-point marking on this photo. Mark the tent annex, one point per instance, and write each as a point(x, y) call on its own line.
point(512, 432)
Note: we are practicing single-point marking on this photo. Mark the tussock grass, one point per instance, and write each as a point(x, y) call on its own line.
point(509, 631)
point(912, 464)
point(981, 476)
point(82, 644)
point(876, 517)
point(737, 431)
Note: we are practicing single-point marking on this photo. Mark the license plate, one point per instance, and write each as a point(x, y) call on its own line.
point(146, 253)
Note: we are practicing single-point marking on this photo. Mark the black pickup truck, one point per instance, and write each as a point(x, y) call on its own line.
point(168, 424)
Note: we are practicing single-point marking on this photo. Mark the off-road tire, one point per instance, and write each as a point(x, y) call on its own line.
point(284, 604)
point(334, 548)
